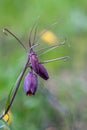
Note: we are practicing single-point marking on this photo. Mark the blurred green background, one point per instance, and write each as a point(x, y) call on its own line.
point(61, 102)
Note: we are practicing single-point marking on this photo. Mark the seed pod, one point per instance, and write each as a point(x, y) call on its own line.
point(30, 84)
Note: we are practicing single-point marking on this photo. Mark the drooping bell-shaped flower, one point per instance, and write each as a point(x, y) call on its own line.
point(37, 67)
point(30, 83)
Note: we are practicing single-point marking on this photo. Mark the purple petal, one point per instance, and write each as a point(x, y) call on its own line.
point(43, 72)
point(37, 67)
point(30, 84)
point(34, 61)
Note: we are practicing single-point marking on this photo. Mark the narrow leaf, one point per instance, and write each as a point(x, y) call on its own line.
point(8, 98)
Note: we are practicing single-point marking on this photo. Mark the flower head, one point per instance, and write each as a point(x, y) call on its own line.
point(37, 67)
point(30, 83)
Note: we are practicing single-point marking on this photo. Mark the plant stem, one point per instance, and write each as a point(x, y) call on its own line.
point(50, 48)
point(56, 59)
point(6, 30)
point(15, 92)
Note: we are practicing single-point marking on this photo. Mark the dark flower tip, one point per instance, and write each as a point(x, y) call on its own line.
point(30, 84)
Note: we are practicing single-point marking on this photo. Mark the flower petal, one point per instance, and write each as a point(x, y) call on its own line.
point(43, 72)
point(30, 83)
point(34, 61)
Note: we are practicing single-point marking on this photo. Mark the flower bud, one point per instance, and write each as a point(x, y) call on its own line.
point(30, 83)
point(43, 72)
point(34, 61)
point(37, 67)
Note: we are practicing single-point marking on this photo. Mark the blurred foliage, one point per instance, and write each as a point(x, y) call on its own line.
point(63, 105)
point(8, 118)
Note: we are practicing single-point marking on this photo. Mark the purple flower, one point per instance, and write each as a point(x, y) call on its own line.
point(30, 83)
point(34, 61)
point(31, 79)
point(37, 67)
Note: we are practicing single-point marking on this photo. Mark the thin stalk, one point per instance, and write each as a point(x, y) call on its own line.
point(50, 48)
point(15, 92)
point(34, 36)
point(61, 58)
point(34, 46)
point(6, 30)
point(30, 34)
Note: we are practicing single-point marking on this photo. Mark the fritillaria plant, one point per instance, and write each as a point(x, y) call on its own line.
point(36, 67)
